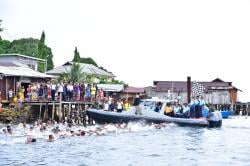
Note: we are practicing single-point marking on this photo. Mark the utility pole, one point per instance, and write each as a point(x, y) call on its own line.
point(188, 89)
point(45, 67)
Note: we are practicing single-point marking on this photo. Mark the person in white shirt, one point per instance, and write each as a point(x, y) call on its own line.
point(106, 106)
point(119, 106)
point(60, 90)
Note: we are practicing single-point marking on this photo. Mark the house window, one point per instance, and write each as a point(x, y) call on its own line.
point(32, 66)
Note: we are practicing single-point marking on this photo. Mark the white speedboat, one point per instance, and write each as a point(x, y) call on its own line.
point(149, 115)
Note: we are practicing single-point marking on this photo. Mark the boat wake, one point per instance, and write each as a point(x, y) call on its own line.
point(23, 133)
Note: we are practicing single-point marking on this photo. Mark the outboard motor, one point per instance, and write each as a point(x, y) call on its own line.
point(214, 119)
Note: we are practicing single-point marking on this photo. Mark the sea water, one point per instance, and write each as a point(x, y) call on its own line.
point(134, 144)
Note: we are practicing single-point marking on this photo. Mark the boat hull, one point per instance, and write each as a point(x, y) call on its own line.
point(113, 117)
point(226, 114)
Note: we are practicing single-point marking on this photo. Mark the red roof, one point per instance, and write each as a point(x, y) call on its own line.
point(133, 90)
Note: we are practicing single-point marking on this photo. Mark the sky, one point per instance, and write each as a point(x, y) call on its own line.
point(141, 41)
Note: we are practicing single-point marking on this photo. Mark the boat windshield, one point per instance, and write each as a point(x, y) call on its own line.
point(155, 106)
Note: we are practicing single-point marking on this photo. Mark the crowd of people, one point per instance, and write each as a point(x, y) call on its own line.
point(50, 91)
point(191, 110)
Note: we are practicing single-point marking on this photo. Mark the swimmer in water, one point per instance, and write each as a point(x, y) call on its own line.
point(30, 140)
point(51, 138)
point(9, 130)
point(4, 131)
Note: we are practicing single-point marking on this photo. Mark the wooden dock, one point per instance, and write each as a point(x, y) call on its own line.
point(62, 111)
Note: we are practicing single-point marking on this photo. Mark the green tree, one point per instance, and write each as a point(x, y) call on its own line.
point(25, 46)
point(50, 64)
point(42, 52)
point(29, 47)
point(77, 57)
point(4, 46)
point(87, 60)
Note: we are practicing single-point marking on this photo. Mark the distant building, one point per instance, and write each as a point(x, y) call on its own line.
point(111, 90)
point(215, 92)
point(88, 69)
point(12, 76)
point(129, 93)
point(21, 60)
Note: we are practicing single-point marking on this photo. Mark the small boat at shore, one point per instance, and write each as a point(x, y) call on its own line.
point(214, 119)
point(226, 114)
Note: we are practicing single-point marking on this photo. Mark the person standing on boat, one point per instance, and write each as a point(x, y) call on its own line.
point(136, 104)
point(201, 106)
point(119, 105)
point(192, 108)
point(197, 107)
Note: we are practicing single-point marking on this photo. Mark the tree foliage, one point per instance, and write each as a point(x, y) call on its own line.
point(74, 74)
point(87, 60)
point(25, 46)
point(30, 47)
point(77, 57)
point(4, 45)
point(42, 52)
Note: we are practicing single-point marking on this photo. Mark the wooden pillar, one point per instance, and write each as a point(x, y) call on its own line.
point(6, 88)
point(69, 110)
point(60, 107)
point(40, 113)
point(14, 91)
point(46, 111)
point(53, 111)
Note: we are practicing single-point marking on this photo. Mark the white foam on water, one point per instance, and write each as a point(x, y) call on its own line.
point(237, 122)
point(21, 133)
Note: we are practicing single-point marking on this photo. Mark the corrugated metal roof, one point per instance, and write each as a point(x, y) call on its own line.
point(133, 90)
point(25, 56)
point(86, 68)
point(22, 71)
point(8, 64)
point(111, 87)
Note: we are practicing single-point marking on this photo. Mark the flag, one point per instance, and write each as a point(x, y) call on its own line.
point(197, 89)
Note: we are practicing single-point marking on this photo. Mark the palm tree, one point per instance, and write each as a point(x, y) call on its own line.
point(74, 74)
